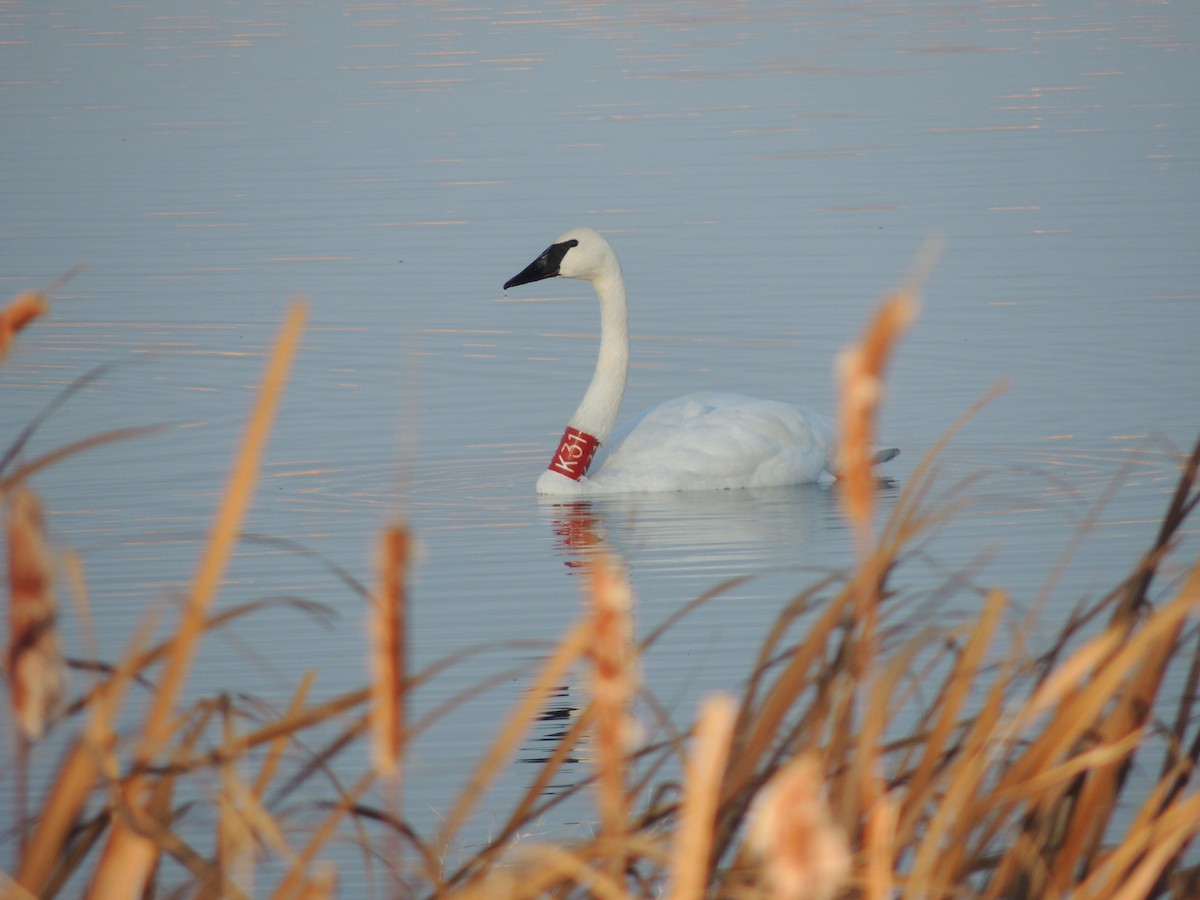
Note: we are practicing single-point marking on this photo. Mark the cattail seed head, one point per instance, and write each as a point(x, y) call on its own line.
point(386, 635)
point(804, 853)
point(34, 665)
point(22, 310)
point(613, 682)
point(860, 371)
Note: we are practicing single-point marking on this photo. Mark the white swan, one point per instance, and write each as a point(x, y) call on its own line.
point(703, 441)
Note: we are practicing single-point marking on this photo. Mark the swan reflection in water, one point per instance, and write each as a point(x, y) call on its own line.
point(705, 538)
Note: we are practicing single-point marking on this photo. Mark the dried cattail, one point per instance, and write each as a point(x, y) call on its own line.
point(36, 673)
point(613, 684)
point(386, 636)
point(701, 794)
point(20, 312)
point(322, 884)
point(804, 853)
point(860, 378)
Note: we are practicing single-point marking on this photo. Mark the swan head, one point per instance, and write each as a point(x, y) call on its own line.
point(579, 253)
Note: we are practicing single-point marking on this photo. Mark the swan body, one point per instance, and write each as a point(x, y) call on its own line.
point(703, 441)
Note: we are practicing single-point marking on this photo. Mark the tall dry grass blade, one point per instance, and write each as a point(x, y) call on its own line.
point(235, 841)
point(546, 870)
point(265, 829)
point(386, 637)
point(803, 853)
point(939, 859)
point(909, 516)
point(1050, 821)
point(949, 706)
point(1100, 791)
point(759, 727)
point(142, 831)
point(1104, 662)
point(701, 794)
point(74, 782)
point(1183, 501)
point(37, 675)
point(570, 649)
point(531, 803)
point(129, 857)
point(879, 849)
point(292, 883)
point(226, 527)
point(30, 429)
point(31, 468)
point(1093, 799)
point(1137, 864)
point(270, 763)
point(613, 681)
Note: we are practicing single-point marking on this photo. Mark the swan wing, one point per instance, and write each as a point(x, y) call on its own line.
point(714, 440)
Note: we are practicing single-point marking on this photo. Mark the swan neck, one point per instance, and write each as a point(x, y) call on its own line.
point(597, 413)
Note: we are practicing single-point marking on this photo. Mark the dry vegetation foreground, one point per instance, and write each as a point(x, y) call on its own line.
point(1007, 775)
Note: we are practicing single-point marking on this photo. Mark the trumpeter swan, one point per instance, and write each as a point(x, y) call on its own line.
point(704, 441)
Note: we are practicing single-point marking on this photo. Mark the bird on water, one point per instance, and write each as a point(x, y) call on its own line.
point(701, 441)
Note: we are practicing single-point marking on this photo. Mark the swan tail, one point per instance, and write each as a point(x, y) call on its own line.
point(882, 456)
point(878, 458)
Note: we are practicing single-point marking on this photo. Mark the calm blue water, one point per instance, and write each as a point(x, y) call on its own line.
point(766, 171)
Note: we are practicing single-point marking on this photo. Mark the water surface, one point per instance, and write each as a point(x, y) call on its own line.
point(765, 171)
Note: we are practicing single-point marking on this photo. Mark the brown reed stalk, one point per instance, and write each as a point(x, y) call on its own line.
point(1094, 795)
point(1071, 819)
point(388, 653)
point(613, 683)
point(129, 857)
point(759, 726)
point(37, 675)
point(298, 875)
point(570, 648)
point(949, 705)
point(879, 849)
point(701, 794)
point(270, 763)
point(127, 861)
point(523, 810)
point(74, 781)
point(225, 531)
point(1137, 863)
point(235, 843)
point(860, 376)
point(803, 853)
point(545, 870)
